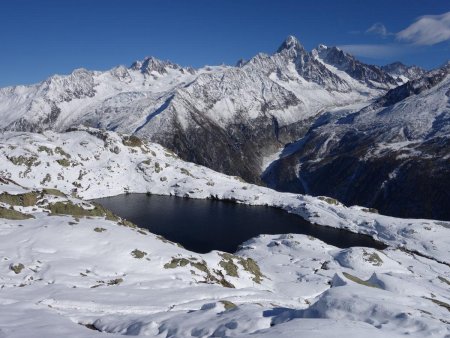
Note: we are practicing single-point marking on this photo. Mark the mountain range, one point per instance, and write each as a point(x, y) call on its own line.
point(238, 119)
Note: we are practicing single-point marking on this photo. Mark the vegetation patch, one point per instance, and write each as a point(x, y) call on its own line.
point(24, 160)
point(64, 162)
point(132, 141)
point(228, 265)
point(68, 208)
point(24, 200)
point(228, 305)
point(372, 258)
point(329, 200)
point(13, 214)
point(128, 224)
point(157, 167)
point(61, 152)
point(176, 262)
point(97, 229)
point(165, 240)
point(46, 179)
point(249, 265)
point(359, 280)
point(54, 192)
point(17, 268)
point(42, 149)
point(252, 267)
point(138, 254)
point(211, 278)
point(186, 172)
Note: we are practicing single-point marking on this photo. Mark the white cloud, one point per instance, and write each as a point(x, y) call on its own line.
point(374, 51)
point(427, 30)
point(378, 29)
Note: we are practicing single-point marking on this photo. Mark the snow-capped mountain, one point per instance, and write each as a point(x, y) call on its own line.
point(372, 76)
point(400, 71)
point(248, 111)
point(393, 155)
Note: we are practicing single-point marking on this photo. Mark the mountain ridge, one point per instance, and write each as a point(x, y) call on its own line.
point(249, 111)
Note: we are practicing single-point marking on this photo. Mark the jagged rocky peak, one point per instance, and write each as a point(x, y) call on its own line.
point(306, 65)
point(76, 74)
point(78, 84)
point(372, 75)
point(336, 56)
point(320, 48)
point(326, 52)
point(152, 64)
point(291, 44)
point(121, 73)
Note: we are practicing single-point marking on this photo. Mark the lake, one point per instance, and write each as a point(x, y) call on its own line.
point(205, 225)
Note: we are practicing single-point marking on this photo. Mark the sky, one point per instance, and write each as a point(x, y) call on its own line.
point(41, 38)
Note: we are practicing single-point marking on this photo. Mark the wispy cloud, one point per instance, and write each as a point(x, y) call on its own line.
point(427, 30)
point(378, 29)
point(374, 51)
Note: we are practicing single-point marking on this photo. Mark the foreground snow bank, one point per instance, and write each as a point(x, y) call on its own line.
point(70, 268)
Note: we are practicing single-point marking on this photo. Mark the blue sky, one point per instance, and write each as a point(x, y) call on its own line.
point(40, 38)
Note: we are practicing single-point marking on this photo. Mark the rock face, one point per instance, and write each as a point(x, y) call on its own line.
point(372, 76)
point(393, 155)
point(227, 118)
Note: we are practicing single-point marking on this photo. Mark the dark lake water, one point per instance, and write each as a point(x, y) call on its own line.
point(205, 225)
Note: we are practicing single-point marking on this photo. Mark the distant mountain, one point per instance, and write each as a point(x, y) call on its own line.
point(228, 118)
point(400, 71)
point(393, 155)
point(372, 76)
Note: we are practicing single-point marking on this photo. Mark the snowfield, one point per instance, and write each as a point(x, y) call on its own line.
point(71, 268)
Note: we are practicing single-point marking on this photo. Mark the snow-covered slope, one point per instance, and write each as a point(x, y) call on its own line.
point(248, 111)
point(91, 163)
point(392, 155)
point(70, 268)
